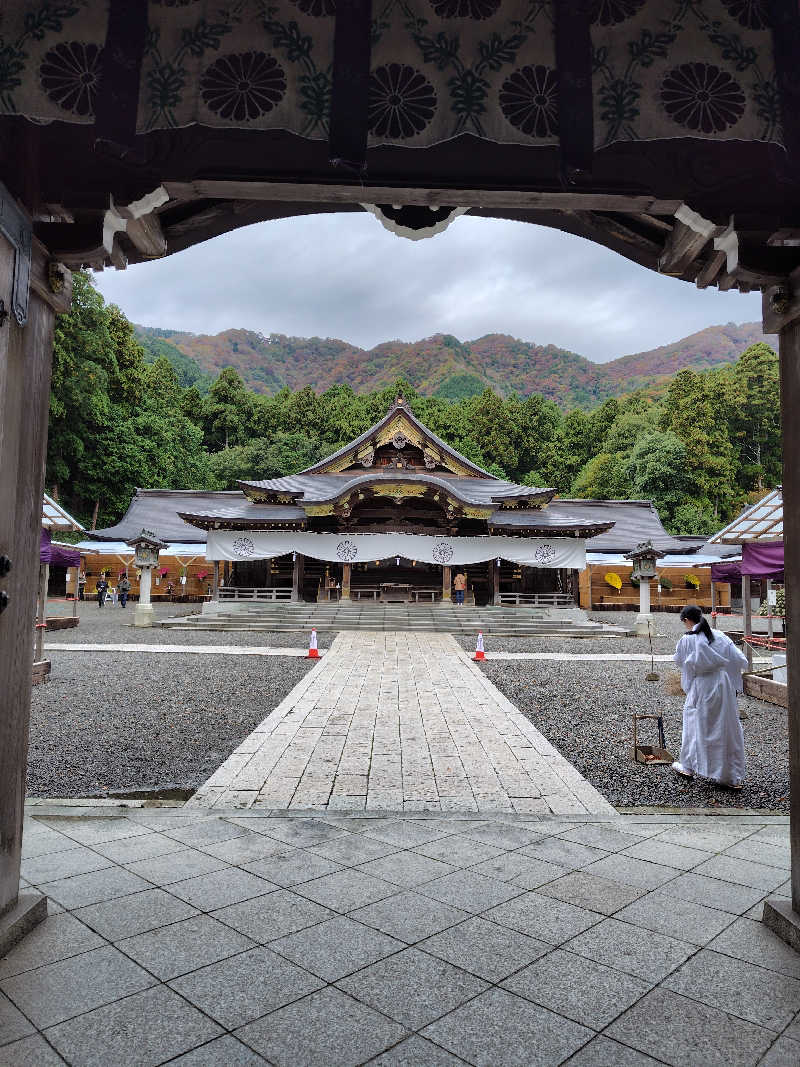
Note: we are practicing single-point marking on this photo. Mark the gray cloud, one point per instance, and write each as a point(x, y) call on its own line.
point(345, 276)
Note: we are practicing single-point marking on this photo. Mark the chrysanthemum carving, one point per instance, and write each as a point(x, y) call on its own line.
point(69, 74)
point(701, 97)
point(529, 100)
point(244, 86)
point(401, 101)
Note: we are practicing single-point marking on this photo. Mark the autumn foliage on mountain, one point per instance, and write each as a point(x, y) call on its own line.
point(441, 365)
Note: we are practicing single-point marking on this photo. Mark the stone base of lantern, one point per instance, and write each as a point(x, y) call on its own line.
point(644, 625)
point(143, 615)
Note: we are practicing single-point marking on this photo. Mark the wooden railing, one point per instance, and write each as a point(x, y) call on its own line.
point(538, 600)
point(256, 593)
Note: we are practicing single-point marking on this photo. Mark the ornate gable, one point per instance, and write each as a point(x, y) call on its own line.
point(399, 442)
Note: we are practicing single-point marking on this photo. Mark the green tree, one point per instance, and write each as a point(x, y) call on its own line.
point(690, 518)
point(692, 411)
point(604, 477)
point(227, 411)
point(80, 404)
point(572, 451)
point(497, 429)
point(161, 385)
point(152, 449)
point(755, 417)
point(657, 469)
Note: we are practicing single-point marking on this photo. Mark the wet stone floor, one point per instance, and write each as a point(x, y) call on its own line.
point(201, 938)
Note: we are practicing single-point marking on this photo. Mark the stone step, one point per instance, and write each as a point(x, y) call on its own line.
point(508, 620)
point(321, 627)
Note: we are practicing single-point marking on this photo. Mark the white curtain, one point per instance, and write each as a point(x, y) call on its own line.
point(553, 552)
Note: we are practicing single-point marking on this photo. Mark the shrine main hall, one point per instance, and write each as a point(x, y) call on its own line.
point(395, 515)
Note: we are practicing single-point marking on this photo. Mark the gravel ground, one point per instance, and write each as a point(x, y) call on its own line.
point(667, 631)
point(111, 626)
point(586, 709)
point(120, 722)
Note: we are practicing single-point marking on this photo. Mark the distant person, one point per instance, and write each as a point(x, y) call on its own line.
point(81, 585)
point(712, 742)
point(102, 589)
point(113, 594)
point(459, 585)
point(124, 589)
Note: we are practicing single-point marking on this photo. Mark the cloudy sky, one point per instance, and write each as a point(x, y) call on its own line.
point(344, 276)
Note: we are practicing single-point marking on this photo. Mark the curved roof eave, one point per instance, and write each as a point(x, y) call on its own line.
point(505, 490)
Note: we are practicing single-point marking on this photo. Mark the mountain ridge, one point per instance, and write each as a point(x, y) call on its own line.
point(441, 365)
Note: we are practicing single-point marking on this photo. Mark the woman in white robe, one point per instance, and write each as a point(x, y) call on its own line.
point(712, 743)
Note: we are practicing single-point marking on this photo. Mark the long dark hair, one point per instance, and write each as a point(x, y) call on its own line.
point(695, 615)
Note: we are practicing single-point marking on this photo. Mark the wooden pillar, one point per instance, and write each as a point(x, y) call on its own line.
point(226, 572)
point(346, 569)
point(25, 362)
point(494, 582)
point(713, 604)
point(447, 595)
point(790, 409)
point(747, 620)
point(298, 575)
point(215, 585)
point(41, 611)
point(770, 631)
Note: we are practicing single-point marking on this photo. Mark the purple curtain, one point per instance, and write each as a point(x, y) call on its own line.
point(763, 559)
point(726, 572)
point(55, 554)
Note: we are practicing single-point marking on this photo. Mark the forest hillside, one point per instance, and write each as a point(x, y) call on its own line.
point(441, 365)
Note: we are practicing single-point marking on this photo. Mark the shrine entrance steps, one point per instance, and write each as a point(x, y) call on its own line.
point(417, 618)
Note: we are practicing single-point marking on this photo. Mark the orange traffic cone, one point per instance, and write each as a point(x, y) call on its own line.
point(313, 652)
point(479, 653)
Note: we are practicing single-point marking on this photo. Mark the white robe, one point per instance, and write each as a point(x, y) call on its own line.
point(712, 744)
point(736, 661)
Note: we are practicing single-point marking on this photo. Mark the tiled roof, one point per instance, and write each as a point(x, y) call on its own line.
point(157, 510)
point(633, 521)
point(319, 488)
point(612, 525)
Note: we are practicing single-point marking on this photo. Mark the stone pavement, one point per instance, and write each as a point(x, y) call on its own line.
point(193, 939)
point(398, 721)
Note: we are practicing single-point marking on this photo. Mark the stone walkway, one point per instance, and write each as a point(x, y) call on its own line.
point(398, 722)
point(180, 937)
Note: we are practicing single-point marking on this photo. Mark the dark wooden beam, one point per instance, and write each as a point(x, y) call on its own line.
point(25, 361)
point(684, 245)
point(784, 17)
point(574, 71)
point(350, 83)
point(146, 235)
point(711, 270)
point(118, 95)
point(780, 305)
point(436, 197)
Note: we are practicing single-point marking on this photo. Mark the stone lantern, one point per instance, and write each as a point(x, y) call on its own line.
point(146, 547)
point(644, 558)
